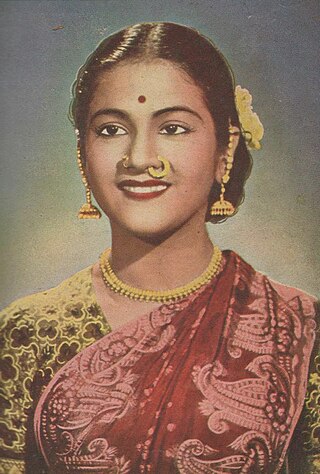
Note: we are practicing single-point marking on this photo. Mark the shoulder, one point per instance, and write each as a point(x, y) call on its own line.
point(51, 316)
point(260, 306)
point(287, 295)
point(49, 303)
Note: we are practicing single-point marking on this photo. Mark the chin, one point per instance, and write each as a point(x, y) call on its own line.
point(155, 237)
point(153, 230)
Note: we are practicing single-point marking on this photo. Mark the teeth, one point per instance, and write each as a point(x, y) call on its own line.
point(142, 190)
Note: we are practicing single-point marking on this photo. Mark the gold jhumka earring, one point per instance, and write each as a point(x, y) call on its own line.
point(252, 131)
point(160, 173)
point(223, 207)
point(88, 210)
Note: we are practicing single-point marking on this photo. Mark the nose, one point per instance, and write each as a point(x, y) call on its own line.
point(142, 153)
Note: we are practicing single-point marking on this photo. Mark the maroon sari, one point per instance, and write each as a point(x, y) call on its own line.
point(212, 384)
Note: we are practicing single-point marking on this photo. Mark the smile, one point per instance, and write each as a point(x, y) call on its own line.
point(143, 190)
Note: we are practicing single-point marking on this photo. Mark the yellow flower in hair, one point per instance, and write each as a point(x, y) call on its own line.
point(252, 128)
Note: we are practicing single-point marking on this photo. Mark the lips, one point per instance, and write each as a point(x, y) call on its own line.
point(148, 189)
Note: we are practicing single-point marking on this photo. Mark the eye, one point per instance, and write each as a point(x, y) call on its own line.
point(111, 130)
point(174, 129)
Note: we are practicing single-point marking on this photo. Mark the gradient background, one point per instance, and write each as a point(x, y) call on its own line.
point(272, 47)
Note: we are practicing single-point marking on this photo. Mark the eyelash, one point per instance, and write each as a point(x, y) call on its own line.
point(162, 131)
point(112, 125)
point(185, 129)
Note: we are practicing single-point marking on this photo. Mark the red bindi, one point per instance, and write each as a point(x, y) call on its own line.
point(141, 99)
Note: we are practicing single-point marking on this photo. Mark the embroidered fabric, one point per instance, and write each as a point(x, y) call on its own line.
point(11, 466)
point(42, 332)
point(304, 452)
point(212, 384)
point(38, 335)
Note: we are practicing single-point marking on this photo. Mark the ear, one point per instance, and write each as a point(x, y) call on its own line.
point(230, 150)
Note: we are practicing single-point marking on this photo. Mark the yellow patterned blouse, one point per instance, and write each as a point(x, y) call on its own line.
point(38, 334)
point(41, 332)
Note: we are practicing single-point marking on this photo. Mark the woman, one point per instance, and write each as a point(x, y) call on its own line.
point(200, 363)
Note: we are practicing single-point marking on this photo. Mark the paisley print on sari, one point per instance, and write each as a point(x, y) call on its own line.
point(212, 384)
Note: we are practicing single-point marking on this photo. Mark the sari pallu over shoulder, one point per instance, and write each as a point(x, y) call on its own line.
point(214, 383)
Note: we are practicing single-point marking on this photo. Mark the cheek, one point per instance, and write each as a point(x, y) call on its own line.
point(198, 166)
point(98, 169)
point(99, 164)
point(199, 184)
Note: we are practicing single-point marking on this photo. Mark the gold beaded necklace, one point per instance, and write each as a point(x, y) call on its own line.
point(118, 286)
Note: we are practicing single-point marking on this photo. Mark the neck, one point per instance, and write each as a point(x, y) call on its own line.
point(160, 263)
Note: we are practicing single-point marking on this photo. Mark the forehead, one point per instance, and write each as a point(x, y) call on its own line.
point(161, 82)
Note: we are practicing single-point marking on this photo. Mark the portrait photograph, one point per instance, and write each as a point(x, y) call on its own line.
point(160, 237)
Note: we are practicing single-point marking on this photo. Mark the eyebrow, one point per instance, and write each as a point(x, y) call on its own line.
point(177, 108)
point(123, 115)
point(119, 113)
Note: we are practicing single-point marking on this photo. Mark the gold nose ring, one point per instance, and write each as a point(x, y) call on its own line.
point(125, 161)
point(160, 173)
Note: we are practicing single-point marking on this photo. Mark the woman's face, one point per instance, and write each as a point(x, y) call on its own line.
point(146, 110)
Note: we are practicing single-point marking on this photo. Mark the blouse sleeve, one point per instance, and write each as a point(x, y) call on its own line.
point(21, 375)
point(17, 359)
point(304, 452)
point(38, 335)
